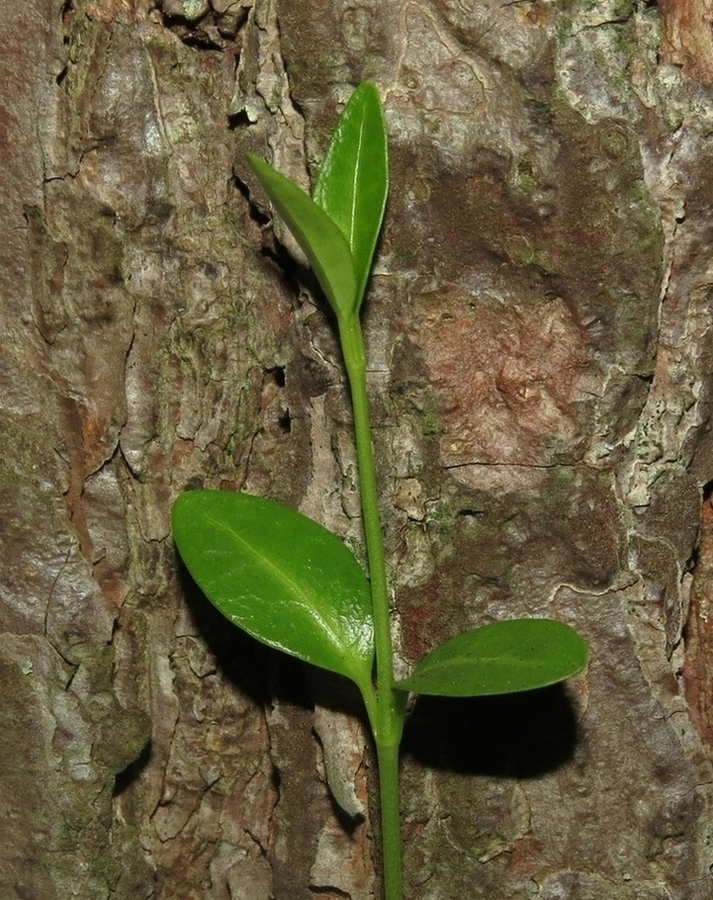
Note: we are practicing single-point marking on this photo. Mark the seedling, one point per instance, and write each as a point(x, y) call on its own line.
point(294, 585)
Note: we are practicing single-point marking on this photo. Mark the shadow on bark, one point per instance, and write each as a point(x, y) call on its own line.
point(258, 671)
point(126, 778)
point(521, 735)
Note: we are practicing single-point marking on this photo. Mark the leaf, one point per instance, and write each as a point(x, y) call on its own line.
point(353, 182)
point(283, 578)
point(321, 239)
point(500, 658)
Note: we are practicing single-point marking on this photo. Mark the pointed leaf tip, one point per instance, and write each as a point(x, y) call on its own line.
point(321, 240)
point(353, 183)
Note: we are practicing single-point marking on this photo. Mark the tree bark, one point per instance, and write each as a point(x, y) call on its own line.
point(539, 335)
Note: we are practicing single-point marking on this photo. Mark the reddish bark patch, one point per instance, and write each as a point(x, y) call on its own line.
point(698, 635)
point(509, 379)
point(688, 37)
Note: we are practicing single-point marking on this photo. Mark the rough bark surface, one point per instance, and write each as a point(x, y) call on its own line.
point(540, 339)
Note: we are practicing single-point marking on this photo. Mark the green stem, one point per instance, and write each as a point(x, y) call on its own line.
point(355, 360)
point(386, 709)
point(388, 757)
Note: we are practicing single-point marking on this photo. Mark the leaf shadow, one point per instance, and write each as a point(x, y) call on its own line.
point(261, 672)
point(268, 676)
point(523, 735)
point(256, 670)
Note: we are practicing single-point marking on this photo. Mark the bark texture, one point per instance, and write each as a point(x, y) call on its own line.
point(540, 339)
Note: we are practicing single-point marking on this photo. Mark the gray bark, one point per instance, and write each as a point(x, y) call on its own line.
point(539, 330)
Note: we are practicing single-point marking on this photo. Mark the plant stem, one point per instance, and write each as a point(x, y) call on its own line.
point(393, 878)
point(355, 360)
point(387, 713)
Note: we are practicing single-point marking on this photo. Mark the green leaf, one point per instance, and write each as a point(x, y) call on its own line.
point(283, 578)
point(500, 658)
point(353, 182)
point(321, 239)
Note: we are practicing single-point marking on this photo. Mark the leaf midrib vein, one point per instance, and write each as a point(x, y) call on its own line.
point(357, 171)
point(283, 578)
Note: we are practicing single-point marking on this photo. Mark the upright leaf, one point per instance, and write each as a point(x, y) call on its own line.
point(500, 658)
point(322, 241)
point(353, 182)
point(280, 576)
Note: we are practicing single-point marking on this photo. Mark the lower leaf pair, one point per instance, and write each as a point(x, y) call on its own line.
point(292, 584)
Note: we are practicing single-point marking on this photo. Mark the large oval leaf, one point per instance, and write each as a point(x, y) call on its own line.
point(353, 182)
point(321, 239)
point(500, 658)
point(283, 578)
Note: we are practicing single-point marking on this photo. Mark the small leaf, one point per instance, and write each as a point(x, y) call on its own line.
point(500, 658)
point(283, 578)
point(353, 182)
point(322, 241)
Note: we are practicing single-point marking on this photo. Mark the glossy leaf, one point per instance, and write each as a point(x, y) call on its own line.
point(353, 182)
point(500, 658)
point(283, 578)
point(321, 239)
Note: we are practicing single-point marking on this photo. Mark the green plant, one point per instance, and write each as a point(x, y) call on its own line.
point(294, 585)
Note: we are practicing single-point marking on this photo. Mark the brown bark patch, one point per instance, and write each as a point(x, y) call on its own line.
point(509, 379)
point(698, 634)
point(688, 37)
